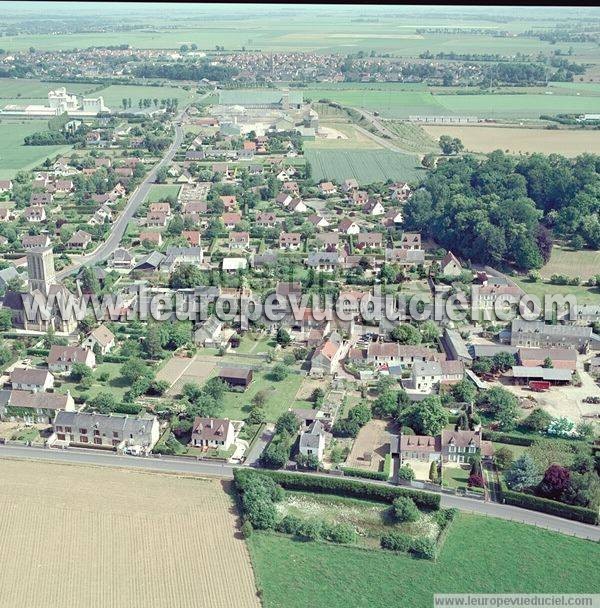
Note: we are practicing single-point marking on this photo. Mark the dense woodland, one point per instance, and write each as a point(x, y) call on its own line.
point(502, 210)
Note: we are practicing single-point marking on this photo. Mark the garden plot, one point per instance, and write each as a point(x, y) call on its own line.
point(370, 446)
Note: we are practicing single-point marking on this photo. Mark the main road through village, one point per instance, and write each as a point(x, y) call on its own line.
point(119, 226)
point(79, 456)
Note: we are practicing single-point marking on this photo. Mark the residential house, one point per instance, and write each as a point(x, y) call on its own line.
point(312, 441)
point(62, 358)
point(156, 219)
point(121, 258)
point(539, 335)
point(231, 220)
point(266, 220)
point(33, 408)
point(400, 191)
point(284, 199)
point(112, 431)
point(208, 332)
point(450, 266)
point(290, 240)
point(369, 240)
point(324, 261)
point(193, 237)
point(373, 207)
point(328, 240)
point(410, 241)
point(317, 221)
point(33, 380)
point(347, 226)
point(160, 208)
point(32, 241)
point(239, 240)
point(181, 255)
point(100, 338)
point(6, 185)
point(212, 433)
point(348, 185)
point(405, 257)
point(233, 265)
point(35, 215)
point(327, 189)
point(79, 240)
point(297, 206)
point(326, 357)
point(40, 199)
point(151, 237)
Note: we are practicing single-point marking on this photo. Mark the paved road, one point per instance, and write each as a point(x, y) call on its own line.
point(375, 122)
point(119, 226)
point(542, 520)
point(172, 465)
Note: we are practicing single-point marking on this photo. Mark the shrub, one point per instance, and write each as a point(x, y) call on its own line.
point(475, 480)
point(341, 533)
point(503, 458)
point(537, 421)
point(396, 541)
point(247, 529)
point(352, 472)
point(405, 472)
point(311, 529)
point(290, 524)
point(424, 548)
point(405, 509)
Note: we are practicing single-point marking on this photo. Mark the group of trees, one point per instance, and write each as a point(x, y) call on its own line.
point(277, 453)
point(498, 211)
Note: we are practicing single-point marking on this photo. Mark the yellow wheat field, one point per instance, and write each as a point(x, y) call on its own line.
point(87, 537)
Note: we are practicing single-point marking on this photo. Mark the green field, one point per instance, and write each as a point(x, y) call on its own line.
point(480, 555)
point(159, 192)
point(584, 294)
point(280, 396)
point(366, 166)
point(114, 95)
point(19, 89)
point(400, 103)
point(14, 155)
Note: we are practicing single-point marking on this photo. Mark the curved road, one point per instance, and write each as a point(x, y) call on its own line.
point(137, 197)
point(185, 466)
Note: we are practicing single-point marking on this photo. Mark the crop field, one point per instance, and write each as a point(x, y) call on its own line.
point(399, 103)
point(100, 537)
point(584, 264)
point(366, 166)
point(516, 554)
point(114, 95)
point(542, 289)
point(14, 155)
point(567, 142)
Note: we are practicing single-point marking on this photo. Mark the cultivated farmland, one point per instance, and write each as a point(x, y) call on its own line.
point(584, 264)
point(366, 166)
point(515, 141)
point(144, 539)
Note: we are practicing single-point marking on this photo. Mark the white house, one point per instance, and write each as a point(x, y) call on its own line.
point(312, 441)
point(213, 433)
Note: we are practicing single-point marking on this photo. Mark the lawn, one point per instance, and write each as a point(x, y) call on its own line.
point(584, 264)
point(159, 192)
point(366, 166)
point(15, 155)
point(480, 555)
point(583, 294)
point(115, 384)
point(251, 344)
point(280, 396)
point(455, 477)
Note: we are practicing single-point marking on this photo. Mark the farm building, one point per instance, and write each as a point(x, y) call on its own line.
point(236, 377)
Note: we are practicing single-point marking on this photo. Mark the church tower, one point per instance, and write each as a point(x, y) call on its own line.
point(40, 267)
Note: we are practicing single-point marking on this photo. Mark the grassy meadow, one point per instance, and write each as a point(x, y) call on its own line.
point(480, 555)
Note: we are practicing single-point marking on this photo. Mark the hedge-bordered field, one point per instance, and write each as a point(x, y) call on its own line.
point(366, 166)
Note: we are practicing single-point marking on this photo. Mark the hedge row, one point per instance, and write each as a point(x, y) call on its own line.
point(552, 507)
point(507, 438)
point(114, 359)
point(350, 487)
point(38, 352)
point(352, 472)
